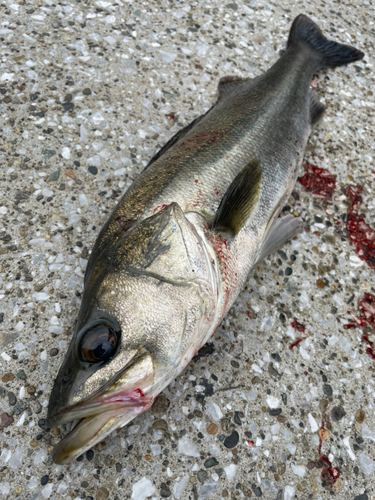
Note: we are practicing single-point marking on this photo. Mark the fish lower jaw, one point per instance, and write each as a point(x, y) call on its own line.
point(88, 432)
point(119, 402)
point(97, 419)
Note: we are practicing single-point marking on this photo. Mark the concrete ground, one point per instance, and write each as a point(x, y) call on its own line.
point(88, 92)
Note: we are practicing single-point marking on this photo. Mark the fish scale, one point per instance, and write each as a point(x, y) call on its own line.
point(177, 249)
point(237, 128)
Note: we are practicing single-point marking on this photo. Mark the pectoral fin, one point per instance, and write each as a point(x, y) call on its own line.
point(240, 199)
point(283, 229)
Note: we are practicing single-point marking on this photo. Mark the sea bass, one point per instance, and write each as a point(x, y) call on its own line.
point(177, 249)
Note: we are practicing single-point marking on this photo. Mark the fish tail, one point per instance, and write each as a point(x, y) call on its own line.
point(331, 54)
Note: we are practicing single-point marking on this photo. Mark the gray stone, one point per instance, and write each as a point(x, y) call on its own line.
point(20, 407)
point(48, 152)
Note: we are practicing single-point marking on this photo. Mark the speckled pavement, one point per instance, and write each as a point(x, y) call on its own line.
point(89, 91)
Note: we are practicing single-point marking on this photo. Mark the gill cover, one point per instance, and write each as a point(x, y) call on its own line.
point(145, 290)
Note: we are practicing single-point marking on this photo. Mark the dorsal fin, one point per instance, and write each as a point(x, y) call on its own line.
point(175, 138)
point(227, 85)
point(240, 199)
point(230, 84)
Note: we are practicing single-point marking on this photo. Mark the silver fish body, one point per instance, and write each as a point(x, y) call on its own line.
point(177, 249)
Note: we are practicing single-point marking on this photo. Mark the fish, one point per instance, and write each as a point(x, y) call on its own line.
point(175, 252)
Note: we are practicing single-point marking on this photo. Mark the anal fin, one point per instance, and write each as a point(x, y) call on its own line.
point(240, 199)
point(283, 229)
point(316, 107)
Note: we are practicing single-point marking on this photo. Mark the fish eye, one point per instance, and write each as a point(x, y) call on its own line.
point(99, 343)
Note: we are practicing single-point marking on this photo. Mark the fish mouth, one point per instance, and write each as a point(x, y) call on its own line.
point(98, 418)
point(112, 403)
point(102, 413)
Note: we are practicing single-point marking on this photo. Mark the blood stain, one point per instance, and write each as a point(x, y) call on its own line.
point(248, 314)
point(138, 392)
point(300, 328)
point(206, 136)
point(221, 247)
point(366, 321)
point(296, 342)
point(361, 235)
point(318, 181)
point(328, 472)
point(158, 208)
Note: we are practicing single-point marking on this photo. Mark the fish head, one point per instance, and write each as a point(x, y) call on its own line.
point(138, 326)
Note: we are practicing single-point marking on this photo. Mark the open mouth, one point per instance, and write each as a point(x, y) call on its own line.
point(117, 403)
point(98, 417)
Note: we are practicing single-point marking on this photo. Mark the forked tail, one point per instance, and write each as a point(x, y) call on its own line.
point(305, 31)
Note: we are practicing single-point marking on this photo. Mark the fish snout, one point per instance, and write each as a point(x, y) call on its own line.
point(117, 403)
point(126, 389)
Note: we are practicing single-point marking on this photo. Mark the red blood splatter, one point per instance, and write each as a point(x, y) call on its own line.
point(298, 326)
point(296, 342)
point(318, 181)
point(353, 192)
point(370, 349)
point(367, 310)
point(171, 116)
point(220, 245)
point(158, 208)
point(135, 397)
point(329, 474)
point(196, 181)
point(138, 392)
point(199, 200)
point(366, 319)
point(250, 443)
point(206, 136)
point(248, 314)
point(361, 235)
